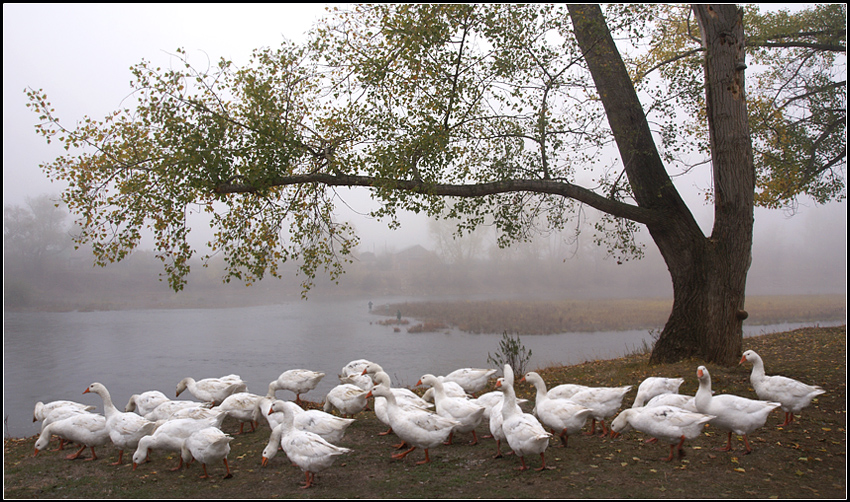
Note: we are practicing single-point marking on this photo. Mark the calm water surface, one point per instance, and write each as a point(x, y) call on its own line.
point(50, 356)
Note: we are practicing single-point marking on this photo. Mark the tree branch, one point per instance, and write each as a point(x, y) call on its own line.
point(551, 187)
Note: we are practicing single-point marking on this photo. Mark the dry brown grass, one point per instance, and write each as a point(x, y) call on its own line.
point(561, 316)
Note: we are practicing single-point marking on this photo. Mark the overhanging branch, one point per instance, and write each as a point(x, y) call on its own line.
point(552, 187)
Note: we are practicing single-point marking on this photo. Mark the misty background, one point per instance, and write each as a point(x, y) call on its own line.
point(80, 56)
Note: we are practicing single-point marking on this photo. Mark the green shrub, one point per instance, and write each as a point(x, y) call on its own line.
point(511, 351)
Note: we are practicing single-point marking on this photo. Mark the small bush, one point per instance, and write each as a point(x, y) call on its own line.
point(511, 351)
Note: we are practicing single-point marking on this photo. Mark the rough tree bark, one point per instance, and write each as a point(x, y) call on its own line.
point(708, 274)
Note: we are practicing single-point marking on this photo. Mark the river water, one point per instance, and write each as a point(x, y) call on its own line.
point(50, 356)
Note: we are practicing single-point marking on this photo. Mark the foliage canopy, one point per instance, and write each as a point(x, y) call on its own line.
point(490, 105)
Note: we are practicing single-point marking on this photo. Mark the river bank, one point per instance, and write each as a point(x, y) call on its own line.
point(804, 460)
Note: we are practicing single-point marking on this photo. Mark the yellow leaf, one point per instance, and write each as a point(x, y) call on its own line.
point(740, 469)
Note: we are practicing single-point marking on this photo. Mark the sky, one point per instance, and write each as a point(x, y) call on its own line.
point(80, 55)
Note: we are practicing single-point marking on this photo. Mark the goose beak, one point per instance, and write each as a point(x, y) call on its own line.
point(271, 411)
point(418, 383)
point(743, 358)
point(369, 395)
point(364, 371)
point(521, 379)
point(699, 373)
point(264, 462)
point(86, 391)
point(498, 383)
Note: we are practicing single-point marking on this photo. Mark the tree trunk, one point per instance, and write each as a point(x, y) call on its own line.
point(709, 274)
point(708, 302)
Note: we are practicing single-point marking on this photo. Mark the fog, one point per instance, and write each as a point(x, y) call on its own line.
point(80, 55)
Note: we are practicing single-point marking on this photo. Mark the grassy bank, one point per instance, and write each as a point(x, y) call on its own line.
point(534, 317)
point(804, 460)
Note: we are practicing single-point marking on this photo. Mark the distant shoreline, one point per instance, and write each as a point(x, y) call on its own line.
point(526, 316)
point(563, 316)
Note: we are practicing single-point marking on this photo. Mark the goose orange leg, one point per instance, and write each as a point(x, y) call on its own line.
point(180, 465)
point(563, 435)
point(427, 458)
point(728, 444)
point(676, 447)
point(399, 456)
point(524, 467)
point(747, 444)
point(498, 448)
point(75, 456)
point(449, 441)
point(543, 465)
point(309, 476)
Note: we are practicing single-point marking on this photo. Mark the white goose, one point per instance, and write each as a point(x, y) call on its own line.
point(207, 445)
point(352, 373)
point(667, 423)
point(145, 402)
point(347, 398)
point(495, 414)
point(415, 426)
point(297, 381)
point(307, 450)
point(677, 400)
point(732, 413)
point(42, 410)
point(452, 389)
point(330, 427)
point(653, 386)
point(170, 437)
point(566, 390)
point(562, 415)
point(604, 401)
point(61, 413)
point(213, 390)
point(86, 429)
point(240, 406)
point(197, 413)
point(792, 394)
point(472, 380)
point(125, 429)
point(467, 413)
point(168, 408)
point(404, 397)
point(524, 433)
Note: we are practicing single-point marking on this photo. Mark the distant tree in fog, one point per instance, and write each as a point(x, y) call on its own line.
point(35, 230)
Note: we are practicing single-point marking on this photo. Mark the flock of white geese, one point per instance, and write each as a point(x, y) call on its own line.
point(152, 421)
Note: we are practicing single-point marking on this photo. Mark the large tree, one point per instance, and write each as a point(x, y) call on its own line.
point(502, 109)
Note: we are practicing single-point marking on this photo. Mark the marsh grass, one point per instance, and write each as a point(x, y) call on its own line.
point(536, 317)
